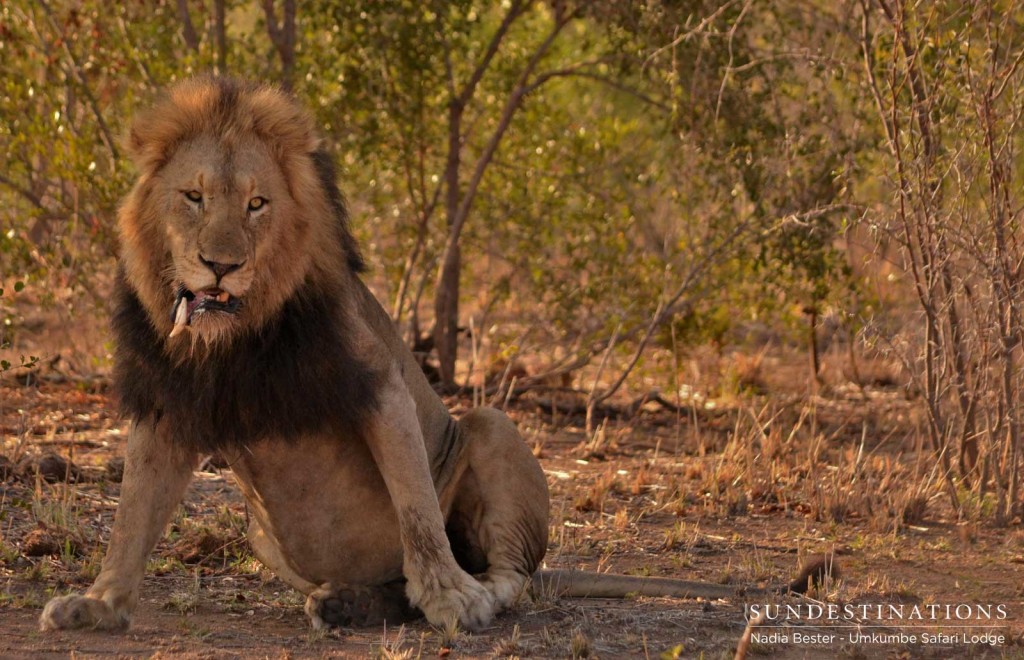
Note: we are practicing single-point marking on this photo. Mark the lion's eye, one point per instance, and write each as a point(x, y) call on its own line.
point(256, 203)
point(194, 196)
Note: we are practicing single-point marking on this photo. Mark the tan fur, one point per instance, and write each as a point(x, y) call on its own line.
point(333, 516)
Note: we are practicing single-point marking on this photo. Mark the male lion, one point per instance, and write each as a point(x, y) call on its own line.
point(243, 328)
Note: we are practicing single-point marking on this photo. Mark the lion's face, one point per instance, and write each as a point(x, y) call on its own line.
point(228, 217)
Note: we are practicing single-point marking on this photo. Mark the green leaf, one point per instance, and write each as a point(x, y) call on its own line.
point(18, 286)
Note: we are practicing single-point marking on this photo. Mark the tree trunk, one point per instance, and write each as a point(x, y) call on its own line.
point(812, 344)
point(188, 30)
point(446, 311)
point(446, 298)
point(282, 35)
point(458, 201)
point(220, 36)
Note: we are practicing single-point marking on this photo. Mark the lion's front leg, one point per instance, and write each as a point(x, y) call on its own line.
point(436, 583)
point(156, 474)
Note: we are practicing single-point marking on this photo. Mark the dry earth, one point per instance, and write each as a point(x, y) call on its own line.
point(654, 495)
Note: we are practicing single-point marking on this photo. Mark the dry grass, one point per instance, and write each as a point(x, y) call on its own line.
point(579, 645)
point(395, 648)
point(736, 493)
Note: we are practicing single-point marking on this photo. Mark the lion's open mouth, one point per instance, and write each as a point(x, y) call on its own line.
point(188, 304)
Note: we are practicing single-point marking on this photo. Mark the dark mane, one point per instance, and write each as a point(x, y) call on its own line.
point(294, 376)
point(326, 170)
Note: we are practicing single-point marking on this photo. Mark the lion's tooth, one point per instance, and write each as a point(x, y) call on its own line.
point(223, 296)
point(180, 318)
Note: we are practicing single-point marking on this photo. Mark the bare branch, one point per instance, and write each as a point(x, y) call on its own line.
point(282, 35)
point(25, 193)
point(188, 31)
point(686, 36)
point(869, 69)
point(729, 67)
point(671, 306)
point(134, 51)
point(577, 70)
point(220, 35)
point(75, 72)
point(515, 10)
point(512, 105)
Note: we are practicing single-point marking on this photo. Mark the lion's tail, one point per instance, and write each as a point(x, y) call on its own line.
point(583, 584)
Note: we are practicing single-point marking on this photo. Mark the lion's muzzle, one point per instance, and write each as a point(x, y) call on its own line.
point(188, 304)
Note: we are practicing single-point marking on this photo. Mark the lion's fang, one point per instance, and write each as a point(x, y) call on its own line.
point(180, 318)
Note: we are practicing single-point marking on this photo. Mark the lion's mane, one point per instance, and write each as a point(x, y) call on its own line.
point(293, 373)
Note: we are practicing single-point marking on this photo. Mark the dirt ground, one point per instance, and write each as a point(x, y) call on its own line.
point(652, 495)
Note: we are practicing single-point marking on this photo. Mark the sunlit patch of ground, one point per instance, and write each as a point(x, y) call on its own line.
point(734, 496)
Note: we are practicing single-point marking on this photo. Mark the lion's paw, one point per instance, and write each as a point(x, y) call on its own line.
point(453, 596)
point(506, 586)
point(329, 607)
point(74, 611)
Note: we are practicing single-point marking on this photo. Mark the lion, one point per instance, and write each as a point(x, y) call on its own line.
point(243, 328)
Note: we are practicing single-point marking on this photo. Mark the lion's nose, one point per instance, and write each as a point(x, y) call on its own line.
point(220, 269)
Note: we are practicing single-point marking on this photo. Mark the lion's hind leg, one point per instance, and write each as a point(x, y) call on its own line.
point(357, 606)
point(269, 554)
point(498, 521)
point(328, 606)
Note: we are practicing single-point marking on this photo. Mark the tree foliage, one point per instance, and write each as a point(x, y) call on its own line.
point(589, 174)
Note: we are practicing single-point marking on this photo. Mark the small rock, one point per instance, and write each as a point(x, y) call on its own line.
point(200, 545)
point(51, 467)
point(39, 543)
point(115, 469)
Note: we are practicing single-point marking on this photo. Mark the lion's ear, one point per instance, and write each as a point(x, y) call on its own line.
point(277, 118)
point(151, 139)
point(155, 133)
point(141, 151)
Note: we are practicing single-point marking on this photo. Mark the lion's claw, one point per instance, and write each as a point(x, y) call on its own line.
point(454, 596)
point(74, 611)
